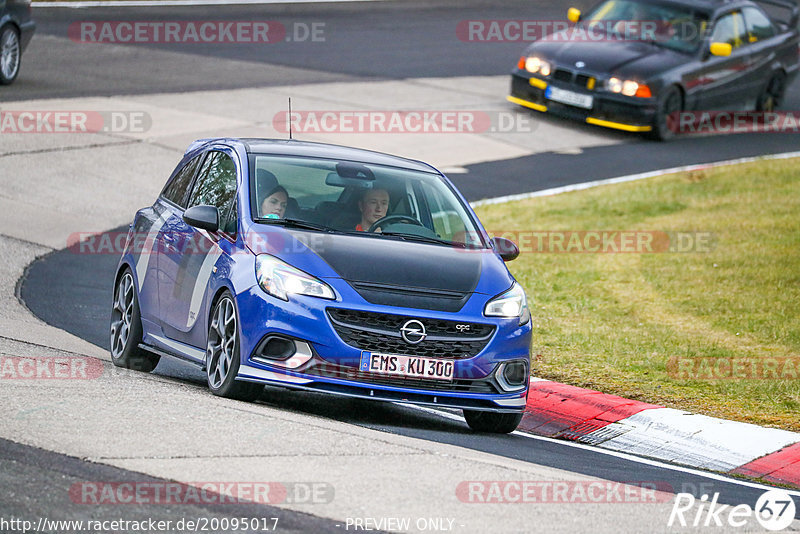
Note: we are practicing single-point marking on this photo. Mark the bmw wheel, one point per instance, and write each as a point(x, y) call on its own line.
point(10, 54)
point(126, 328)
point(493, 422)
point(222, 354)
point(665, 122)
point(770, 97)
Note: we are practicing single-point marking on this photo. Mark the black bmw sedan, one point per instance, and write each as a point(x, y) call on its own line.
point(635, 65)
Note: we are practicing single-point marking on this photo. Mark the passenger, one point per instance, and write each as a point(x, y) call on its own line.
point(274, 204)
point(374, 205)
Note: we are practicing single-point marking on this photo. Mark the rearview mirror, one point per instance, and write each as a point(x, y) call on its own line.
point(574, 14)
point(720, 49)
point(506, 248)
point(203, 217)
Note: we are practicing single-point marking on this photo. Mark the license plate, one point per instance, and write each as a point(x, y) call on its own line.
point(408, 366)
point(569, 97)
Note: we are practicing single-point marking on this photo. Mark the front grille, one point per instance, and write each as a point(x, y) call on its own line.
point(380, 332)
point(584, 81)
point(330, 370)
point(562, 75)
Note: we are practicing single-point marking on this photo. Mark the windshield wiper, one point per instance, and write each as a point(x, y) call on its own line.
point(295, 223)
point(421, 238)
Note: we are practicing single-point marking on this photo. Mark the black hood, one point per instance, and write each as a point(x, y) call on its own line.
point(610, 57)
point(400, 273)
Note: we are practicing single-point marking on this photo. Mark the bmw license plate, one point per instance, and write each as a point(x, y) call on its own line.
point(569, 97)
point(408, 366)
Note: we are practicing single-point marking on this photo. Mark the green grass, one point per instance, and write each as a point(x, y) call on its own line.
point(612, 321)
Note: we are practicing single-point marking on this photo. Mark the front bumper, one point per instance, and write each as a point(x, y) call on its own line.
point(333, 365)
point(608, 110)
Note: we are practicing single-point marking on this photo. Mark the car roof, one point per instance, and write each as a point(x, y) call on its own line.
point(711, 6)
point(293, 147)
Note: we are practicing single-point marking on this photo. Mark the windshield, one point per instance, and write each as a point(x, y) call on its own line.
point(363, 199)
point(675, 27)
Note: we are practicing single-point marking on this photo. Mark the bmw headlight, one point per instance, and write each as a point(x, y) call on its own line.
point(512, 303)
point(280, 279)
point(537, 65)
point(628, 88)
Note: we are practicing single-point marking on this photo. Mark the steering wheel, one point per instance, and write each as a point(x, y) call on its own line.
point(393, 219)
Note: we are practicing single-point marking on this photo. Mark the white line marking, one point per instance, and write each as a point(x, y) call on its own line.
point(622, 455)
point(629, 178)
point(169, 3)
point(692, 439)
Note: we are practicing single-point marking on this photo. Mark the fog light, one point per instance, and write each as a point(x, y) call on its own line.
point(282, 352)
point(512, 375)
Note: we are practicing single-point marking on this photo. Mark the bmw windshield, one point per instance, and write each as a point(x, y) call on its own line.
point(362, 199)
point(674, 27)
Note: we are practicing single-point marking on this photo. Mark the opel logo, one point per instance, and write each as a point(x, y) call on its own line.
point(580, 64)
point(413, 332)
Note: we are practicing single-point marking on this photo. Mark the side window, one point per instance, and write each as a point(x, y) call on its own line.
point(730, 29)
point(176, 189)
point(447, 221)
point(758, 25)
point(216, 186)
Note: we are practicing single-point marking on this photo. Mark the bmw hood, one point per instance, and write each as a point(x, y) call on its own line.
point(633, 58)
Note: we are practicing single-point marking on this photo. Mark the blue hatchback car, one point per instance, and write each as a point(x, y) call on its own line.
point(324, 268)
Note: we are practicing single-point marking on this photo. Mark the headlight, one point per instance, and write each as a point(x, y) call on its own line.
point(534, 64)
point(280, 279)
point(628, 88)
point(512, 303)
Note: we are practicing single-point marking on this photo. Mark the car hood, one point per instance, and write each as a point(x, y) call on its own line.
point(632, 58)
point(393, 272)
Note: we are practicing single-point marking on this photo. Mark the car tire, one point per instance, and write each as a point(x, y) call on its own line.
point(126, 328)
point(10, 54)
point(222, 354)
point(772, 94)
point(492, 422)
point(670, 101)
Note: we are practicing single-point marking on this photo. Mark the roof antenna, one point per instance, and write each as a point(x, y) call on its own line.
point(290, 118)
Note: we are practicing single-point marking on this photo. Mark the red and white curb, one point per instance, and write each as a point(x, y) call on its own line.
point(615, 423)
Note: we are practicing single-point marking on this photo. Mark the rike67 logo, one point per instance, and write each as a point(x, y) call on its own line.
point(774, 510)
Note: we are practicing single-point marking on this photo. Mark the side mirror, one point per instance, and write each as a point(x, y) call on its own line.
point(507, 249)
point(720, 49)
point(203, 217)
point(574, 15)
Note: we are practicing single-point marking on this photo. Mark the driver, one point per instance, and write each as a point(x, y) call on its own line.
point(374, 205)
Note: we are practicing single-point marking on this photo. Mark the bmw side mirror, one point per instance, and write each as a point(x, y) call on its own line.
point(720, 49)
point(507, 249)
point(203, 217)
